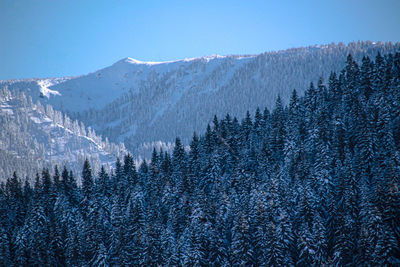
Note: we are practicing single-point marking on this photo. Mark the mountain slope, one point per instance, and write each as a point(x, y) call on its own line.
point(33, 137)
point(140, 102)
point(182, 100)
point(309, 184)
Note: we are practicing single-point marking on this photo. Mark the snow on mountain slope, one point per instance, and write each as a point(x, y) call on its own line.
point(37, 89)
point(176, 98)
point(44, 88)
point(97, 89)
point(33, 137)
point(143, 102)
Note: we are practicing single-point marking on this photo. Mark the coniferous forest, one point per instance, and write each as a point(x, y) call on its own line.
point(314, 183)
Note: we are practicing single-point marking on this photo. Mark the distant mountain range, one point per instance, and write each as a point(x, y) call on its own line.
point(144, 103)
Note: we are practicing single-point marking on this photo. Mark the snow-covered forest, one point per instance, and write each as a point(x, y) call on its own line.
point(166, 100)
point(311, 183)
point(143, 102)
point(34, 136)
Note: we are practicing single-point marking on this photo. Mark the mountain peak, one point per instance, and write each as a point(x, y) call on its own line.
point(139, 62)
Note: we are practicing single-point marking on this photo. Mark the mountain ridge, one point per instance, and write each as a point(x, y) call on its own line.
point(138, 102)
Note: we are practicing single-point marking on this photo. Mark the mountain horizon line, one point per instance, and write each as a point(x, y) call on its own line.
point(135, 60)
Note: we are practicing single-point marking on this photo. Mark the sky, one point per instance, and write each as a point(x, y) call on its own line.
point(48, 38)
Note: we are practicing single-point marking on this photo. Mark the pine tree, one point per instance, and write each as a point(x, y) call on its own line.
point(87, 179)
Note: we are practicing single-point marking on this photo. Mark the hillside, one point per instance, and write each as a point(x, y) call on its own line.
point(313, 183)
point(139, 102)
point(33, 136)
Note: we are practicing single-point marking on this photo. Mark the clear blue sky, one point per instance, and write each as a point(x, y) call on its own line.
point(53, 38)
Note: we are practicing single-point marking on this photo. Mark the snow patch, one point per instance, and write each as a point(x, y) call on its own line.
point(8, 111)
point(135, 61)
point(44, 88)
point(205, 58)
point(38, 120)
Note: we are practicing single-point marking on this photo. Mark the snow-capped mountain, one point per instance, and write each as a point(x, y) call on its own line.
point(33, 136)
point(140, 102)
